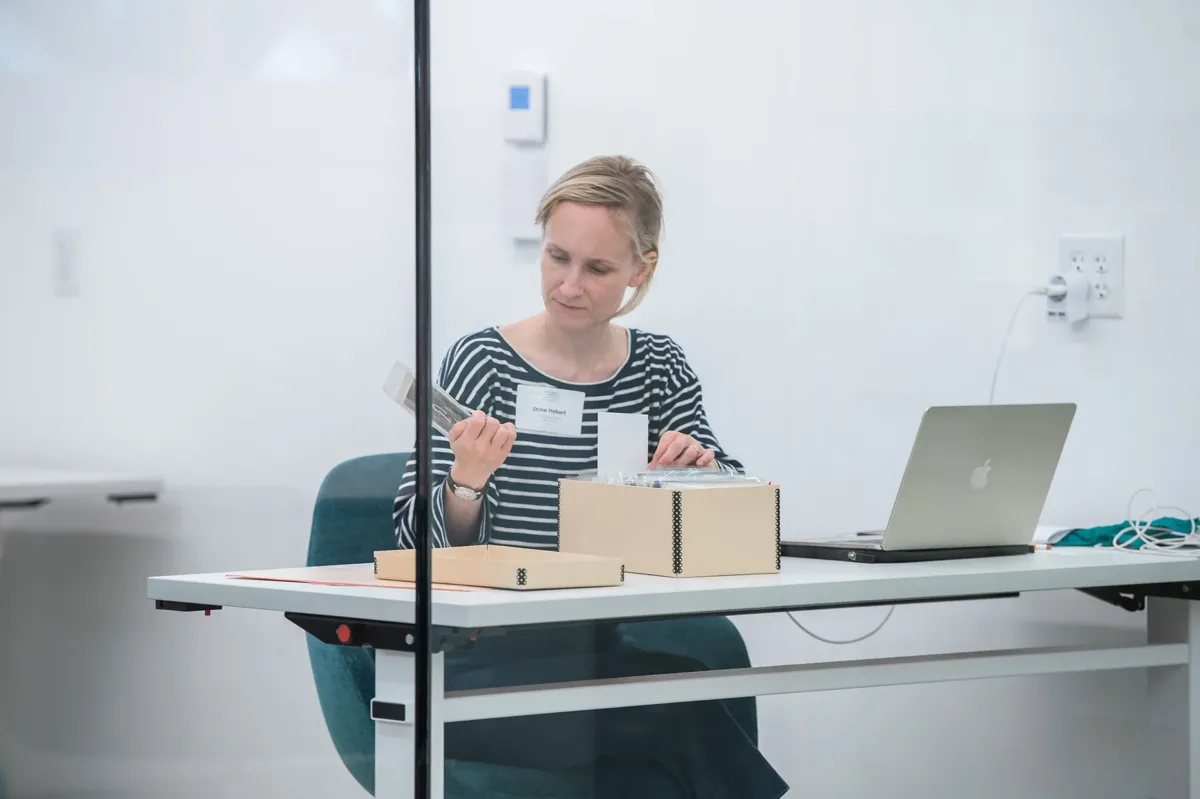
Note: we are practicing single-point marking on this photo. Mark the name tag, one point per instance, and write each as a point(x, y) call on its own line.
point(541, 409)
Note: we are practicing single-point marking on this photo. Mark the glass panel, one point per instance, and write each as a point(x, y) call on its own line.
point(205, 273)
point(697, 269)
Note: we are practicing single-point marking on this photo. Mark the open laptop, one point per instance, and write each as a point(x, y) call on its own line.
point(975, 486)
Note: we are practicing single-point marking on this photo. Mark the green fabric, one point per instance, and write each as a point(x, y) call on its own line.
point(352, 519)
point(1104, 535)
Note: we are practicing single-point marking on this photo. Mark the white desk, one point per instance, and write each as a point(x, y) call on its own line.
point(381, 617)
point(23, 488)
point(29, 488)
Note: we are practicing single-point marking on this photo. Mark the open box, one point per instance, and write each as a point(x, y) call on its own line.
point(673, 532)
point(490, 566)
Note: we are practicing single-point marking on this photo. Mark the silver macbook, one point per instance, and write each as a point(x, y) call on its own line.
point(977, 478)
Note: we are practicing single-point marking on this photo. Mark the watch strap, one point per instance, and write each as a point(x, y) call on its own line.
point(461, 491)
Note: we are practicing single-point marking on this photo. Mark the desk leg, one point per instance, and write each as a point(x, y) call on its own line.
point(1173, 718)
point(395, 741)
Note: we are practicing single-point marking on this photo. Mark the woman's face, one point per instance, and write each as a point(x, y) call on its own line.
point(587, 264)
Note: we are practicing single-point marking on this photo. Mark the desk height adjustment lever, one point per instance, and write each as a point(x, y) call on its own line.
point(1133, 602)
point(388, 635)
point(356, 632)
point(1133, 597)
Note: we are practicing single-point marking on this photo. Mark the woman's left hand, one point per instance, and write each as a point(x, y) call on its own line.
point(678, 450)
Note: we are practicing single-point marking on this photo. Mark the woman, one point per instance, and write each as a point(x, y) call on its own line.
point(549, 375)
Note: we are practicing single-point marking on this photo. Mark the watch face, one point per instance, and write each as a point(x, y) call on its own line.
point(462, 492)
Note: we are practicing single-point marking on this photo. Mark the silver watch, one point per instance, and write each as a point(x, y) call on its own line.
point(462, 492)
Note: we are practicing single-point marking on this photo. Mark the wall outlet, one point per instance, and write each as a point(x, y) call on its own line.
point(1101, 260)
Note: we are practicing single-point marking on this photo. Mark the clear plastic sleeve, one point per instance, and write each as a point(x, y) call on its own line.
point(401, 386)
point(690, 477)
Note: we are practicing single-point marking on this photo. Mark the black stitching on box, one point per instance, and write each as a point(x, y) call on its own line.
point(622, 572)
point(521, 574)
point(677, 532)
point(778, 543)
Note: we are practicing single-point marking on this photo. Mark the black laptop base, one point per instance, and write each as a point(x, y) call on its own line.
point(867, 555)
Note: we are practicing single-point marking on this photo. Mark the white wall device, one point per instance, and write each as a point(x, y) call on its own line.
point(1067, 298)
point(525, 102)
point(525, 174)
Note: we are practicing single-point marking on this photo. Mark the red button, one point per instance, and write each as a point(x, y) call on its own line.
point(343, 633)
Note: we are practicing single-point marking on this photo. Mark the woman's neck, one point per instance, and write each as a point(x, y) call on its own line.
point(581, 356)
point(583, 347)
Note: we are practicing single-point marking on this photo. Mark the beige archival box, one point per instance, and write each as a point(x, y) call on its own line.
point(489, 566)
point(673, 532)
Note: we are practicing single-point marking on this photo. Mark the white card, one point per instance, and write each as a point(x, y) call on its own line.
point(541, 409)
point(623, 443)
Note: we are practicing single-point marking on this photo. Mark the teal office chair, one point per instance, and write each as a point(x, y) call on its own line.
point(352, 519)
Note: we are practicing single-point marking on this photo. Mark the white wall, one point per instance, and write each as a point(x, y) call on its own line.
point(858, 193)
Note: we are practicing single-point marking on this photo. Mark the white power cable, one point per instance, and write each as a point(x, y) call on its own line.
point(1040, 291)
point(1007, 335)
point(824, 640)
point(1155, 539)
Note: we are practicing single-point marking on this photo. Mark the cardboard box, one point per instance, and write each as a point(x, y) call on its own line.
point(489, 566)
point(688, 532)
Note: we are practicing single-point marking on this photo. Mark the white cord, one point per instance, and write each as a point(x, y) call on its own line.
point(1156, 540)
point(1174, 544)
point(1008, 334)
point(991, 395)
point(822, 639)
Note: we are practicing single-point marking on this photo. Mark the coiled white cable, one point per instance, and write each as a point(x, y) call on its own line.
point(1155, 539)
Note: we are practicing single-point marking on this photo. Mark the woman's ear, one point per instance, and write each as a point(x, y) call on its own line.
point(645, 270)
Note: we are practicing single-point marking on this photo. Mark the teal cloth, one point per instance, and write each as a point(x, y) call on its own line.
point(1105, 535)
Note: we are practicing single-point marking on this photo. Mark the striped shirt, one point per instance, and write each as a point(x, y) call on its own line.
point(482, 371)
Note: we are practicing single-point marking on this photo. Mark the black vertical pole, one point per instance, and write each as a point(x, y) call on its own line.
point(424, 376)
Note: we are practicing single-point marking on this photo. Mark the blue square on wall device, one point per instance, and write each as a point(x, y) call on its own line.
point(518, 98)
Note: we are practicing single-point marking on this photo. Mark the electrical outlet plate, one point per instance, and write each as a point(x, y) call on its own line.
point(1101, 259)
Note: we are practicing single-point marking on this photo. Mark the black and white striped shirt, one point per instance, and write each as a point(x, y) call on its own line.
point(482, 371)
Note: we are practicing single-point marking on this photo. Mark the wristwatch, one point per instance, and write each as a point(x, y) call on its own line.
point(461, 491)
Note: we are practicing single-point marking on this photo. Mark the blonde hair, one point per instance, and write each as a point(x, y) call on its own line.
point(630, 191)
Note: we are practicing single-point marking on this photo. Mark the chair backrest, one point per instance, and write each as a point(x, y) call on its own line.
point(352, 517)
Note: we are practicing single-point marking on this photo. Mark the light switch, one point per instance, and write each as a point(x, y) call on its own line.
point(66, 262)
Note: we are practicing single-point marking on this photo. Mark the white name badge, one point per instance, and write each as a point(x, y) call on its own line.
point(541, 409)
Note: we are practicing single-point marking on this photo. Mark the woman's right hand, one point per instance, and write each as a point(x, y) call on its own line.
point(480, 444)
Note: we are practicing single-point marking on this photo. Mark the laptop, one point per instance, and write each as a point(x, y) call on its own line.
point(975, 486)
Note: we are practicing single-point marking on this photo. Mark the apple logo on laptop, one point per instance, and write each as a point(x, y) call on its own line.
point(979, 477)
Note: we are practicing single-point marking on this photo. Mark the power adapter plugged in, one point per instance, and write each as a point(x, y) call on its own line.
point(1066, 297)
